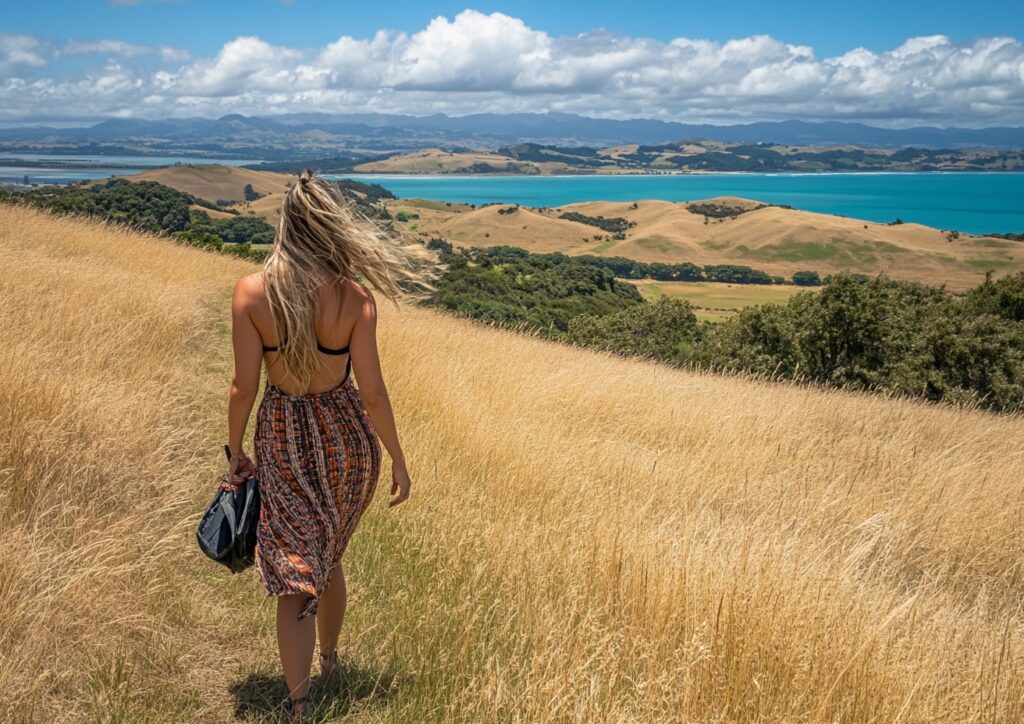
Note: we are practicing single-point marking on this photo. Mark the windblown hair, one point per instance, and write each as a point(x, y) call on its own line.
point(323, 239)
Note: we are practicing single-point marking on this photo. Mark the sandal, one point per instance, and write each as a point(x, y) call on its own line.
point(290, 705)
point(328, 662)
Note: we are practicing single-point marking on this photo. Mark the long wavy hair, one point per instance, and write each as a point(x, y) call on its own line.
point(322, 238)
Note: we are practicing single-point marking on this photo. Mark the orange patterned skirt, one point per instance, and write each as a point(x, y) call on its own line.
point(317, 460)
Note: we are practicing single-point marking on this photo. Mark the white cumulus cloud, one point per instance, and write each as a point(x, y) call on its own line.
point(477, 62)
point(18, 50)
point(245, 64)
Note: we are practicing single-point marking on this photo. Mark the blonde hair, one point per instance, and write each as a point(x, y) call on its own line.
point(323, 239)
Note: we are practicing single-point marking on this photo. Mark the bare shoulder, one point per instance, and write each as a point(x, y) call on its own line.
point(248, 289)
point(364, 298)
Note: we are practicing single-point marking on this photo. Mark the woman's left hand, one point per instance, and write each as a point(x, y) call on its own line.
point(241, 468)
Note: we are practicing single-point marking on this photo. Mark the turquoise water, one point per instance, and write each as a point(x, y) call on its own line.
point(976, 203)
point(36, 175)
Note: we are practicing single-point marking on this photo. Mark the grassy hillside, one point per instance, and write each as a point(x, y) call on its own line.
point(777, 240)
point(435, 160)
point(212, 181)
point(588, 538)
point(113, 369)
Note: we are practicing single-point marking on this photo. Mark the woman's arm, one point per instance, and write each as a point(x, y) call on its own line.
point(248, 350)
point(366, 366)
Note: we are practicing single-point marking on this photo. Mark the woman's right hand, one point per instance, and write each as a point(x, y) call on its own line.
point(399, 483)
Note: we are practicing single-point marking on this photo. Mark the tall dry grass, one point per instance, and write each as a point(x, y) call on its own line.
point(588, 538)
point(111, 378)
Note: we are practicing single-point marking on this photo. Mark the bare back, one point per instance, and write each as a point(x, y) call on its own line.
point(336, 311)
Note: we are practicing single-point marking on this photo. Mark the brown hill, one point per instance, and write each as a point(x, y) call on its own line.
point(212, 181)
point(269, 207)
point(775, 239)
point(525, 228)
point(434, 160)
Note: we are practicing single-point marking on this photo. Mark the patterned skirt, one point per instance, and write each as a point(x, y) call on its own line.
point(317, 460)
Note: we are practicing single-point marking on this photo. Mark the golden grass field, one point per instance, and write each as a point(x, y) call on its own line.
point(589, 538)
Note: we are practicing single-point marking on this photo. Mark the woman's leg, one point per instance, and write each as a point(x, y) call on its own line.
point(295, 639)
point(330, 612)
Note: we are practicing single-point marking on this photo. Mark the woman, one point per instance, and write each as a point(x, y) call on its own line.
point(317, 456)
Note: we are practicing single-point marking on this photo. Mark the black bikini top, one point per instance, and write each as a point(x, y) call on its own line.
point(325, 350)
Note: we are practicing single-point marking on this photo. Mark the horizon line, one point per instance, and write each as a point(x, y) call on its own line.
point(89, 123)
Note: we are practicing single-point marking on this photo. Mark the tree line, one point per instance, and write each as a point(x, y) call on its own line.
point(626, 268)
point(158, 209)
point(871, 334)
point(857, 332)
point(510, 286)
point(153, 207)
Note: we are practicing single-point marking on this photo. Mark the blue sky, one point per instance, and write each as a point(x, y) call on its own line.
point(830, 27)
point(888, 63)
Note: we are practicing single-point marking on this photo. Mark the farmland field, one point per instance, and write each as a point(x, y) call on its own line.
point(714, 300)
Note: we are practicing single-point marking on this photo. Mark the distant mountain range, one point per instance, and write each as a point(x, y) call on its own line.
point(301, 135)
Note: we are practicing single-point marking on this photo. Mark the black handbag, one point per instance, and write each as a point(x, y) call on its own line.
point(227, 532)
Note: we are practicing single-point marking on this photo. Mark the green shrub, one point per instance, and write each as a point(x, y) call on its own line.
point(806, 279)
point(666, 329)
point(508, 285)
point(615, 224)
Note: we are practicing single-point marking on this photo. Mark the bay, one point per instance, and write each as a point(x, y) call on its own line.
point(976, 203)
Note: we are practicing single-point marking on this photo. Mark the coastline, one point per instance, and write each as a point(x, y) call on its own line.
point(974, 202)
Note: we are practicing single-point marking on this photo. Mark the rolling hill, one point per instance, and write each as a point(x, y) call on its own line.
point(775, 239)
point(436, 160)
point(212, 181)
point(589, 538)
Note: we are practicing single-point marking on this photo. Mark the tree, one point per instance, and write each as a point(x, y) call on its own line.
point(806, 279)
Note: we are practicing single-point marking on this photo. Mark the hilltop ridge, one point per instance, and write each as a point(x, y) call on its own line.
point(212, 181)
